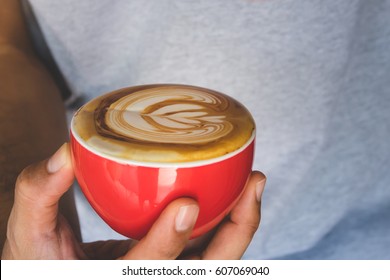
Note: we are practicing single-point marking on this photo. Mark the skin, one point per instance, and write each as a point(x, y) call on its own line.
point(32, 114)
point(37, 210)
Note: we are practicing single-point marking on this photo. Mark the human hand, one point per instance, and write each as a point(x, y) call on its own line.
point(229, 240)
point(36, 229)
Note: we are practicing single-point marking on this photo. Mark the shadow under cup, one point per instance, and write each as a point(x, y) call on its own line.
point(129, 196)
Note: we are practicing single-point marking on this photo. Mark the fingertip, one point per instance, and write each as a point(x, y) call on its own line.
point(186, 217)
point(169, 234)
point(59, 159)
point(60, 170)
point(182, 213)
point(259, 180)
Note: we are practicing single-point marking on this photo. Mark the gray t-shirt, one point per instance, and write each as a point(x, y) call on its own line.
point(315, 75)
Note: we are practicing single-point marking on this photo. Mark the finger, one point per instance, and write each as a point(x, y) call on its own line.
point(234, 235)
point(169, 234)
point(39, 188)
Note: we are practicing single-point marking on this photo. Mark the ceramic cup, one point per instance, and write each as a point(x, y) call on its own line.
point(129, 180)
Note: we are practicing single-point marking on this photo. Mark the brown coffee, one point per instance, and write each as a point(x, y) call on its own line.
point(164, 123)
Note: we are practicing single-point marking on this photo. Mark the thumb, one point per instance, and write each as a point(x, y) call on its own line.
point(39, 188)
point(169, 234)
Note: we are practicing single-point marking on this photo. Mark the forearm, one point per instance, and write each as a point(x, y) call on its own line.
point(32, 119)
point(32, 116)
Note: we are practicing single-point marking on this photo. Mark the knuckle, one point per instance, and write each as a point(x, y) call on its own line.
point(249, 228)
point(252, 228)
point(22, 181)
point(247, 231)
point(27, 182)
point(168, 252)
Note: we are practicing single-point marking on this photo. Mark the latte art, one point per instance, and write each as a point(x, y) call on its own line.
point(180, 116)
point(164, 123)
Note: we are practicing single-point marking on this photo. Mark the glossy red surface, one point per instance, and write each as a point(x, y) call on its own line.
point(129, 198)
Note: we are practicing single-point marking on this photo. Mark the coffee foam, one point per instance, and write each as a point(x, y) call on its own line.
point(163, 123)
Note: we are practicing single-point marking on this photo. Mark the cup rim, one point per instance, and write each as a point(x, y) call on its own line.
point(184, 164)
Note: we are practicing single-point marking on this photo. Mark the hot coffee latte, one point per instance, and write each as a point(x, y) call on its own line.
point(163, 124)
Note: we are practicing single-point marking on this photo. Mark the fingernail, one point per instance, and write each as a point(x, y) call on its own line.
point(186, 217)
point(259, 189)
point(58, 160)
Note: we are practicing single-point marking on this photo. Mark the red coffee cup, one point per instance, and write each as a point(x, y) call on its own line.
point(129, 195)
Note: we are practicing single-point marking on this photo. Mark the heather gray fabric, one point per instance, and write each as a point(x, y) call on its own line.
point(315, 75)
